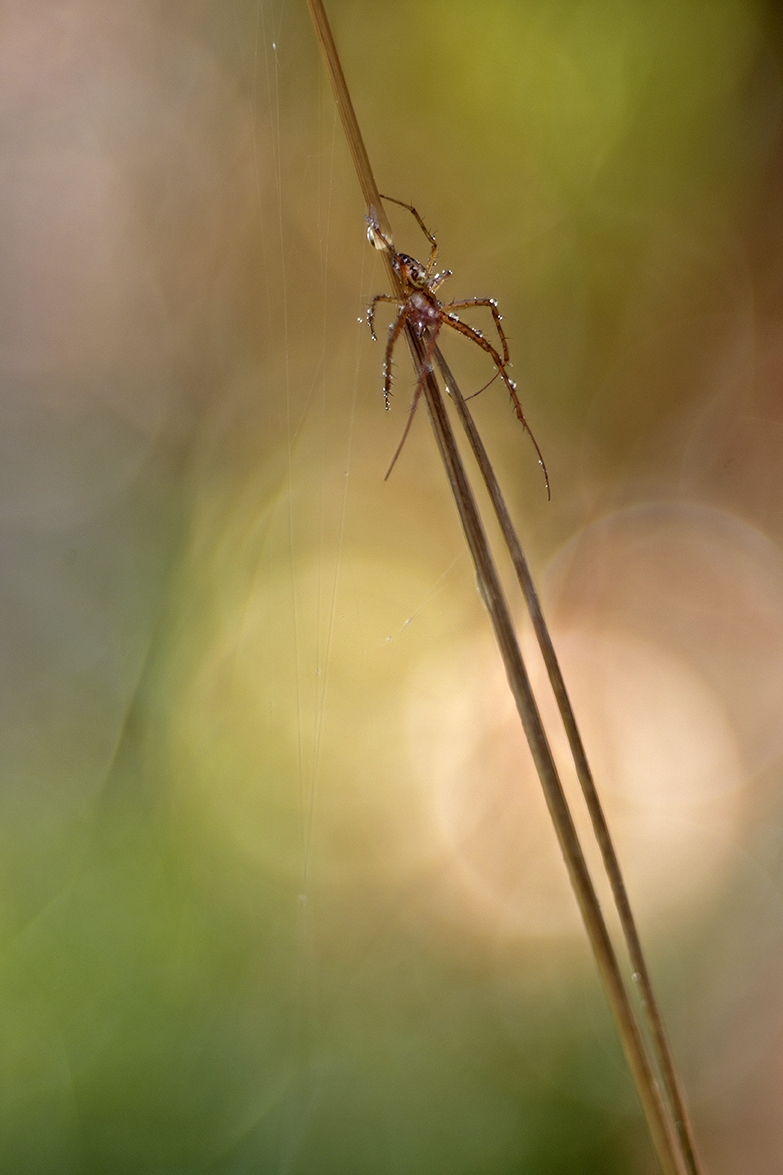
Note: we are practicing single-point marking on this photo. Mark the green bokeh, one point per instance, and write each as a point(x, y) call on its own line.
point(217, 954)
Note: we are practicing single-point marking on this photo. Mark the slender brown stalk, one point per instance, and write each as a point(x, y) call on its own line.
point(347, 114)
point(653, 1015)
point(673, 1148)
point(655, 1108)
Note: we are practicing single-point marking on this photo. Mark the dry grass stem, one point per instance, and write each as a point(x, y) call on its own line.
point(653, 1015)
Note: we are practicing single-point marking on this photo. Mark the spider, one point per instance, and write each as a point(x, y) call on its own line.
point(421, 307)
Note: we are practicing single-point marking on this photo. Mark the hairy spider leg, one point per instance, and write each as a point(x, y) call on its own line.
point(405, 312)
point(422, 226)
point(371, 310)
point(426, 367)
point(469, 333)
point(493, 306)
point(477, 337)
point(438, 280)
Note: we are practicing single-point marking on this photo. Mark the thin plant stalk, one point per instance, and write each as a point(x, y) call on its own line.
point(656, 1109)
point(653, 1015)
point(665, 1122)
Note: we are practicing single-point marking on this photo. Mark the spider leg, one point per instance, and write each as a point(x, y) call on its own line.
point(426, 367)
point(394, 334)
point(477, 337)
point(438, 279)
point(473, 395)
point(371, 310)
point(493, 306)
point(422, 226)
point(462, 327)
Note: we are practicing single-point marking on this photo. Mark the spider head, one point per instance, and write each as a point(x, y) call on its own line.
point(411, 271)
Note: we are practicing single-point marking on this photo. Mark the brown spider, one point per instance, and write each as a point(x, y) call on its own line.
point(420, 306)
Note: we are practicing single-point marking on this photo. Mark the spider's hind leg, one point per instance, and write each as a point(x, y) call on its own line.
point(426, 368)
point(394, 334)
point(469, 333)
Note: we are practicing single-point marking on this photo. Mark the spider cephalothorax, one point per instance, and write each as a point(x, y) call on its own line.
point(420, 307)
point(411, 271)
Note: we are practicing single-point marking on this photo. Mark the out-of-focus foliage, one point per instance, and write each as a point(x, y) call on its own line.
point(277, 889)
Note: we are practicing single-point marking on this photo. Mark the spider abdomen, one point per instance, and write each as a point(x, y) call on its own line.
point(424, 312)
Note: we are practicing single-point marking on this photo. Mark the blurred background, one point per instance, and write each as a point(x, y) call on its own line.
point(277, 889)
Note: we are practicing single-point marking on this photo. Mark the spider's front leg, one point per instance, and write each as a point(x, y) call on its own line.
point(422, 226)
